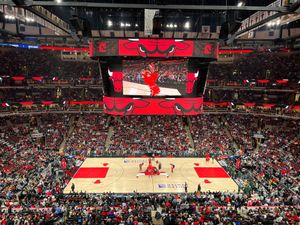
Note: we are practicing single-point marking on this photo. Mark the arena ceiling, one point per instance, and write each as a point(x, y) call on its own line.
point(127, 18)
point(99, 17)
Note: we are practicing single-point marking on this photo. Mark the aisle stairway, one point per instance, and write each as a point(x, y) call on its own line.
point(223, 120)
point(188, 130)
point(108, 139)
point(67, 135)
point(185, 124)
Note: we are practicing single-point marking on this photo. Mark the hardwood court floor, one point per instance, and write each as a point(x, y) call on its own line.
point(119, 175)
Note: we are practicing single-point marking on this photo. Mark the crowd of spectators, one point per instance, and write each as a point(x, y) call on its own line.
point(32, 173)
point(54, 128)
point(88, 136)
point(32, 177)
point(242, 129)
point(48, 64)
point(270, 66)
point(269, 157)
point(241, 96)
point(137, 135)
point(209, 134)
point(182, 209)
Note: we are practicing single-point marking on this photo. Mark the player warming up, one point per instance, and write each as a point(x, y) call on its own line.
point(172, 167)
point(141, 166)
point(150, 77)
point(207, 157)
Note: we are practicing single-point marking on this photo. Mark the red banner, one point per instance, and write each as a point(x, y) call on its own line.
point(268, 105)
point(282, 81)
point(26, 103)
point(220, 104)
point(47, 102)
point(248, 104)
point(37, 78)
point(263, 81)
point(152, 106)
point(18, 78)
point(147, 47)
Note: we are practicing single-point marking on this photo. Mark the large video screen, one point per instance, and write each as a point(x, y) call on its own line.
point(154, 77)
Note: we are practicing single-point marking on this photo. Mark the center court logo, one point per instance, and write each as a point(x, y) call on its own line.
point(171, 186)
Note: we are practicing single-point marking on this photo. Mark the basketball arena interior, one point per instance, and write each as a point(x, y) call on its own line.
point(149, 112)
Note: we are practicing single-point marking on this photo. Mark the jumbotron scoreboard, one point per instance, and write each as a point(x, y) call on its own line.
point(153, 76)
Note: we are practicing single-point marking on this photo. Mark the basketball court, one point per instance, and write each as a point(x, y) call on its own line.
point(123, 175)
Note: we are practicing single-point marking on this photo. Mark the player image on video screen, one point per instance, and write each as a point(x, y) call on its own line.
point(154, 77)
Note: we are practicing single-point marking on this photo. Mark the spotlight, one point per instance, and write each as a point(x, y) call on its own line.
point(109, 23)
point(240, 4)
point(122, 24)
point(187, 25)
point(58, 1)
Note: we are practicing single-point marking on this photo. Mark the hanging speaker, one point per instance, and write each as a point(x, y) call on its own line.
point(224, 32)
point(86, 32)
point(157, 23)
point(229, 28)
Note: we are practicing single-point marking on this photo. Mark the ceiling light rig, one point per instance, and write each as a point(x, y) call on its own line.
point(29, 20)
point(273, 23)
point(9, 17)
